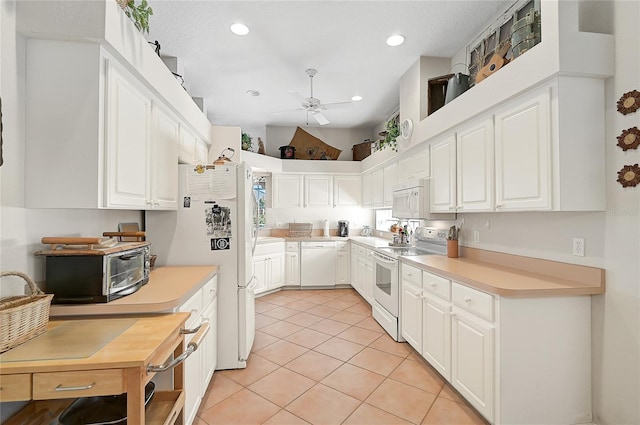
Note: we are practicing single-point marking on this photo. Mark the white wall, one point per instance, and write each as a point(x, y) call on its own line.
point(356, 216)
point(339, 138)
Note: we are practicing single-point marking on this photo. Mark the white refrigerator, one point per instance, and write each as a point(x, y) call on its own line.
point(215, 224)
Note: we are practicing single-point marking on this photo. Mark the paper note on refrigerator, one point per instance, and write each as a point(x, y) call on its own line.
point(215, 184)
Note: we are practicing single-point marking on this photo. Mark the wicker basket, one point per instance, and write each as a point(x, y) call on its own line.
point(23, 317)
point(297, 230)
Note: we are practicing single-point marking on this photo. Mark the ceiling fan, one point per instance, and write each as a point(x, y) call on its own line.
point(313, 105)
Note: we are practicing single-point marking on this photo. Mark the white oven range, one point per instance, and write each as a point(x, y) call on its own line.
point(386, 288)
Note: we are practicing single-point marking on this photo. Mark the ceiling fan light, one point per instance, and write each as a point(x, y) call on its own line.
point(356, 98)
point(239, 29)
point(395, 40)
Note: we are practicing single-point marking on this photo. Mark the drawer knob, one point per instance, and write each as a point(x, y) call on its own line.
point(467, 300)
point(78, 388)
point(434, 286)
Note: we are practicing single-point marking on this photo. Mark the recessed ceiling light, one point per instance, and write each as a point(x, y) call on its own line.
point(395, 40)
point(239, 29)
point(253, 92)
point(356, 98)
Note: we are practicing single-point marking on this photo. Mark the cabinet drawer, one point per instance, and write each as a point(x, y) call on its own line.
point(15, 387)
point(437, 285)
point(362, 251)
point(209, 291)
point(412, 274)
point(342, 246)
point(354, 249)
point(472, 300)
point(84, 383)
point(291, 246)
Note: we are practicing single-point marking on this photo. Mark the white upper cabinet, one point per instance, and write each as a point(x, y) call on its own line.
point(377, 188)
point(288, 190)
point(164, 154)
point(188, 142)
point(414, 165)
point(367, 190)
point(474, 183)
point(347, 191)
point(390, 176)
point(128, 124)
point(318, 191)
point(443, 175)
point(523, 154)
point(202, 152)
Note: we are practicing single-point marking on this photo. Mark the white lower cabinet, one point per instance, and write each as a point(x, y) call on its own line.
point(342, 263)
point(362, 269)
point(292, 264)
point(200, 365)
point(268, 263)
point(501, 353)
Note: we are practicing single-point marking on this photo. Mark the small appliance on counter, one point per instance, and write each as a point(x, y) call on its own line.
point(343, 228)
point(94, 270)
point(366, 231)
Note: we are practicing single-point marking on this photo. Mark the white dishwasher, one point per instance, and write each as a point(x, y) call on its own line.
point(318, 263)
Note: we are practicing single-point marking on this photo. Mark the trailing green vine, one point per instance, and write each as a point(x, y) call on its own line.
point(390, 136)
point(139, 14)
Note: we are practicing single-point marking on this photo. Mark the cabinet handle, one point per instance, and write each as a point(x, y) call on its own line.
point(498, 206)
point(191, 347)
point(79, 388)
point(451, 208)
point(459, 208)
point(191, 331)
point(148, 203)
point(434, 286)
point(156, 204)
point(467, 300)
point(451, 313)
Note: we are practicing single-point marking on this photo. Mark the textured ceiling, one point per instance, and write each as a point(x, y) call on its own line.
point(343, 40)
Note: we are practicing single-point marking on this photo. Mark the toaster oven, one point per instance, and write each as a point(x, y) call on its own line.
point(90, 278)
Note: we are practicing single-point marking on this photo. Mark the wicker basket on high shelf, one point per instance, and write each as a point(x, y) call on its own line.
point(23, 317)
point(297, 230)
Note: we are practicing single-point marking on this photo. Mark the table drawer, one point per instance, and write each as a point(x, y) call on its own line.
point(472, 300)
point(436, 285)
point(84, 383)
point(15, 387)
point(411, 274)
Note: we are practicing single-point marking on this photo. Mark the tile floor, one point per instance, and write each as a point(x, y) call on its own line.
point(319, 357)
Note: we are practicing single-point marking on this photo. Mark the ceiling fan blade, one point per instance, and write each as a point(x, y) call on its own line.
point(300, 98)
point(335, 105)
point(287, 111)
point(322, 120)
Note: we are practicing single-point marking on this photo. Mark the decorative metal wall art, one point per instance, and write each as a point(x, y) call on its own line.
point(629, 102)
point(629, 176)
point(629, 138)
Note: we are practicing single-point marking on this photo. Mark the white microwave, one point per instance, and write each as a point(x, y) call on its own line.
point(411, 201)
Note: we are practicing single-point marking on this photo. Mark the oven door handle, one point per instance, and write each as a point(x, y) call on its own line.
point(381, 258)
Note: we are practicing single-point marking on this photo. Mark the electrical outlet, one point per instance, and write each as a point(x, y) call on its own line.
point(476, 236)
point(578, 247)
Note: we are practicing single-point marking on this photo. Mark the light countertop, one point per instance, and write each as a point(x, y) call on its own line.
point(168, 288)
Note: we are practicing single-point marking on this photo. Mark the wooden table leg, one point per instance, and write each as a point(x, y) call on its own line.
point(135, 396)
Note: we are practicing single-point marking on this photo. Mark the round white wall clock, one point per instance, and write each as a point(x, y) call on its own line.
point(406, 128)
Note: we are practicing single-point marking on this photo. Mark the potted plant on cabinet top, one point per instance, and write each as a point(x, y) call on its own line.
point(139, 15)
point(390, 135)
point(247, 142)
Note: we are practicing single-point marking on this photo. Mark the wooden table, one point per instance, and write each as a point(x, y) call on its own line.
point(118, 366)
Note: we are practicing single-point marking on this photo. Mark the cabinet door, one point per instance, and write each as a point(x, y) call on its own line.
point(411, 314)
point(342, 268)
point(318, 191)
point(475, 183)
point(354, 267)
point(164, 160)
point(276, 271)
point(201, 152)
point(369, 279)
point(377, 188)
point(436, 334)
point(287, 190)
point(367, 190)
point(292, 269)
point(390, 176)
point(443, 175)
point(347, 191)
point(523, 155)
point(128, 125)
point(472, 357)
point(421, 165)
point(188, 142)
point(260, 272)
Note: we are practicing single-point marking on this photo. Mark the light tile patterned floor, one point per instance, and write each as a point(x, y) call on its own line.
point(320, 358)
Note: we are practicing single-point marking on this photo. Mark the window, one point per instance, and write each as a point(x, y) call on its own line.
point(384, 220)
point(260, 193)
